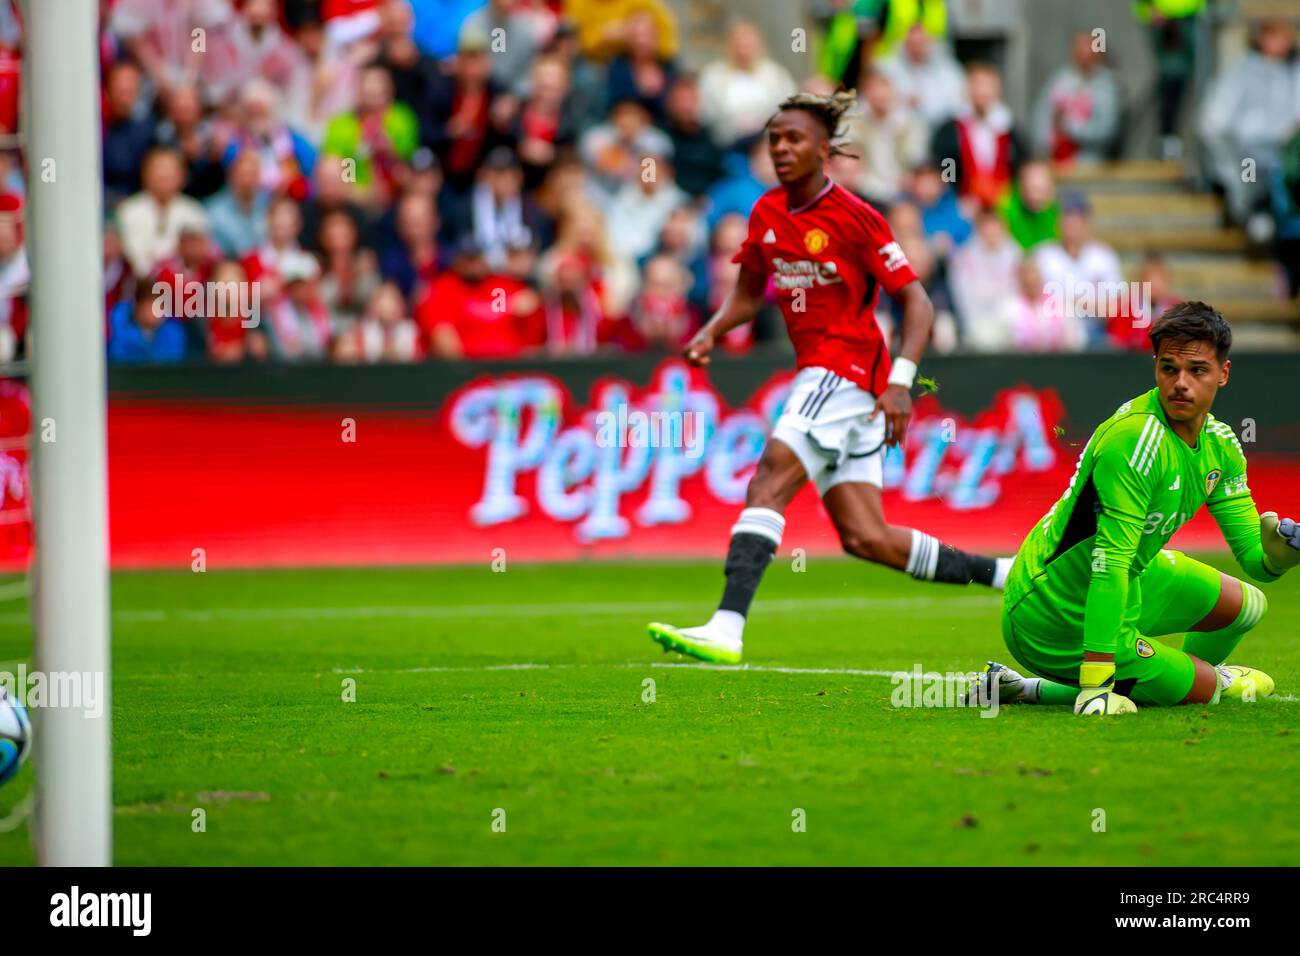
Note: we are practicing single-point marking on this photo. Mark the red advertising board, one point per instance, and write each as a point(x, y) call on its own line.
point(514, 461)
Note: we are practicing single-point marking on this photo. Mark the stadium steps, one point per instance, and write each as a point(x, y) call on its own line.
point(1145, 206)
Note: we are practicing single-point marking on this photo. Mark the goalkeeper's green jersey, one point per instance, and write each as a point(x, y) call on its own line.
point(1136, 484)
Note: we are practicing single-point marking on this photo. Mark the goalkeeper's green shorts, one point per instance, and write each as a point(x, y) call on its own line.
point(1173, 594)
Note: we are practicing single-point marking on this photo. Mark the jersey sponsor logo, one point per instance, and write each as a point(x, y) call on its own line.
point(892, 254)
point(769, 237)
point(1211, 480)
point(1144, 648)
point(804, 273)
point(815, 240)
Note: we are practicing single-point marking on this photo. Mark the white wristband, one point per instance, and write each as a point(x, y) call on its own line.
point(903, 372)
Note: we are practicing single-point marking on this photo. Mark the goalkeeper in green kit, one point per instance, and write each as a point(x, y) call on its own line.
point(1095, 606)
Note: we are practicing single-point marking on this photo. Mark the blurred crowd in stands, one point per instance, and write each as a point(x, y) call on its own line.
point(401, 179)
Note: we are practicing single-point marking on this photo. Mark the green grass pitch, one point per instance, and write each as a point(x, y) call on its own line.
point(524, 692)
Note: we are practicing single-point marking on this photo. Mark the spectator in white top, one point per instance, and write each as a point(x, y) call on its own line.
point(1077, 116)
point(982, 276)
point(1081, 275)
point(641, 208)
point(740, 93)
point(888, 137)
point(613, 152)
point(152, 220)
point(926, 78)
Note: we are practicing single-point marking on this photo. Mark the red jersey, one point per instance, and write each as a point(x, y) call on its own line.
point(828, 261)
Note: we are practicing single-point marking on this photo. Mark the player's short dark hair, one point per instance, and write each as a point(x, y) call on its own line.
point(829, 110)
point(1192, 322)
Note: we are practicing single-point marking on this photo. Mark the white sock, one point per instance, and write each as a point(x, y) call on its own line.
point(924, 557)
point(729, 624)
point(1001, 568)
point(761, 521)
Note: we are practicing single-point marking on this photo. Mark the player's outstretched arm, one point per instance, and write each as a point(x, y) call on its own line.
point(1261, 550)
point(918, 320)
point(740, 306)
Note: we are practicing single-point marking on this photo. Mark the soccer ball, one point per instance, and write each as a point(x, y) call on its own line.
point(15, 735)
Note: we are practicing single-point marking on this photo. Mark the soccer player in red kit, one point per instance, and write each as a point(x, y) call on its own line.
point(828, 253)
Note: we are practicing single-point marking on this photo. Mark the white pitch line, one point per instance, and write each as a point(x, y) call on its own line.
point(958, 604)
point(722, 668)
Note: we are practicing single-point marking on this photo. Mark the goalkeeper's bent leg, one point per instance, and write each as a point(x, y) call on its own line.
point(1215, 646)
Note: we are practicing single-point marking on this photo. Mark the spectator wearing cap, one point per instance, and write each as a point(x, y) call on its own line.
point(981, 140)
point(1077, 116)
point(299, 323)
point(378, 137)
point(237, 213)
point(926, 78)
point(1030, 210)
point(412, 258)
point(889, 139)
point(153, 218)
point(741, 91)
point(640, 71)
point(641, 208)
point(15, 277)
point(511, 60)
point(498, 212)
point(696, 157)
point(612, 152)
point(1078, 265)
point(468, 312)
point(127, 136)
point(139, 331)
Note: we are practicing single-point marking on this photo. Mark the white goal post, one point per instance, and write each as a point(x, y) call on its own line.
point(74, 804)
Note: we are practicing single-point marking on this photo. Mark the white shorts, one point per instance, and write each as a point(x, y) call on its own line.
point(826, 422)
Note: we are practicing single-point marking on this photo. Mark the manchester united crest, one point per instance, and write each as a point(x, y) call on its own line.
point(815, 240)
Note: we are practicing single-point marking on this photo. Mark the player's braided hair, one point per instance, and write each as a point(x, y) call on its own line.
point(829, 110)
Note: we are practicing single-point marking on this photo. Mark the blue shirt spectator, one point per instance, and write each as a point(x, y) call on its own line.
point(136, 335)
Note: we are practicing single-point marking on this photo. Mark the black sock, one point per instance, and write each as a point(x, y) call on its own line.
point(958, 567)
point(747, 559)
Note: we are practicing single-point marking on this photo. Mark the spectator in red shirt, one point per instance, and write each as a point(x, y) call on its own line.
point(981, 139)
point(470, 313)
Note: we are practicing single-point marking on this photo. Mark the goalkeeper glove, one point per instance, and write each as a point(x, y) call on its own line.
point(1097, 691)
point(1281, 542)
